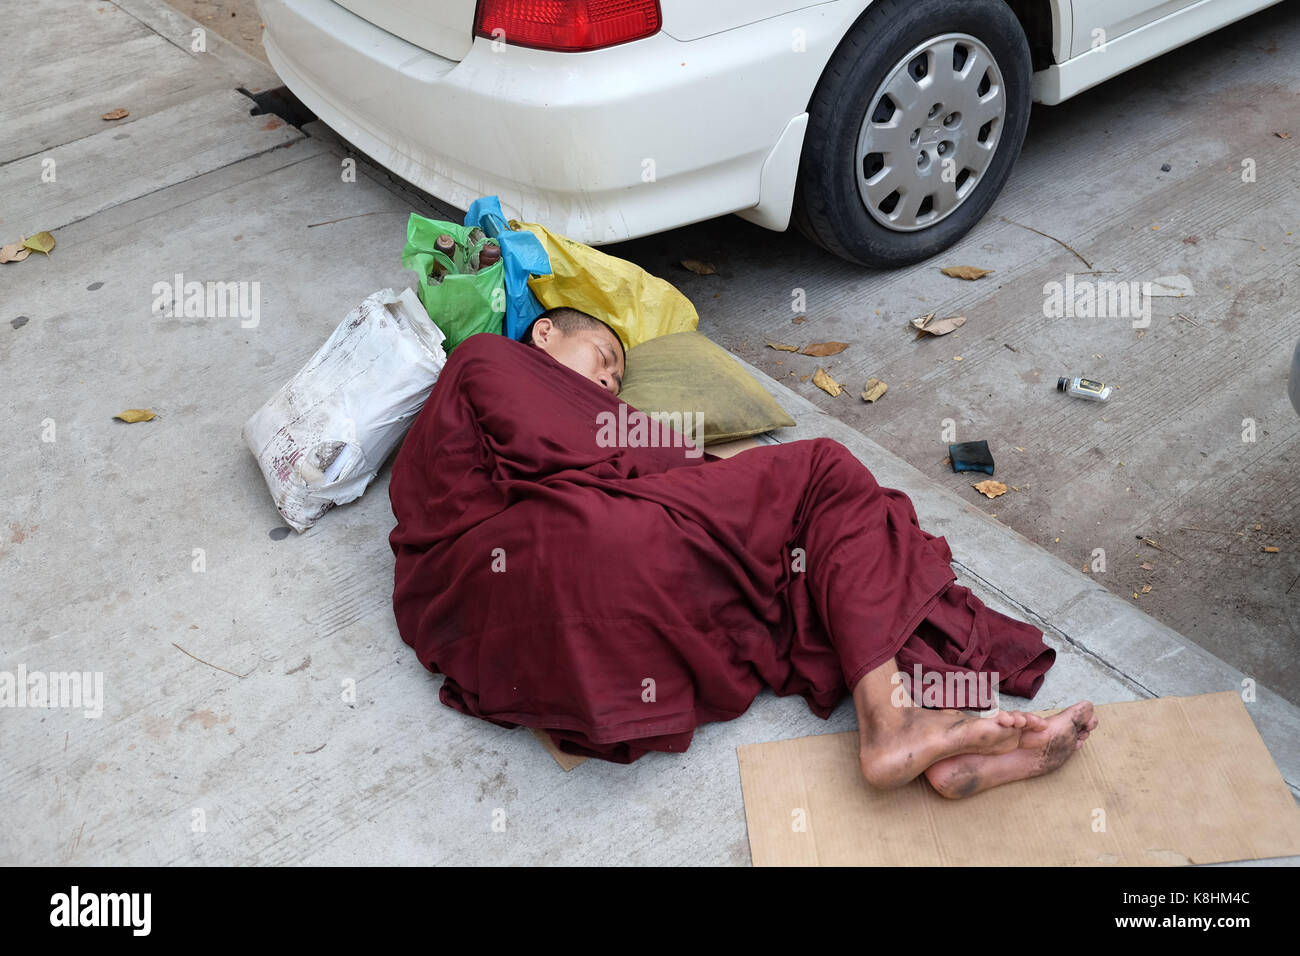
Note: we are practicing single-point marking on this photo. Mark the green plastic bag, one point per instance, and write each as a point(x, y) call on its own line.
point(463, 303)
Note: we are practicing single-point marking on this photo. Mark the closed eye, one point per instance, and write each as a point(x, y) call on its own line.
point(611, 363)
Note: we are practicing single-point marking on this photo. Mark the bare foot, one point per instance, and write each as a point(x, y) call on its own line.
point(1042, 750)
point(894, 755)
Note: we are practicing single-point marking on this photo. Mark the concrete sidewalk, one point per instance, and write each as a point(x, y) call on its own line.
point(152, 552)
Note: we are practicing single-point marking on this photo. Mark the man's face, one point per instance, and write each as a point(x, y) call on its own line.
point(592, 353)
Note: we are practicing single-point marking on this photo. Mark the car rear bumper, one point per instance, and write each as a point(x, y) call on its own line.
point(600, 146)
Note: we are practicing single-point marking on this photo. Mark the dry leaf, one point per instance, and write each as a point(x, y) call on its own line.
point(1282, 135)
point(873, 389)
point(826, 383)
point(799, 319)
point(41, 242)
point(1268, 550)
point(990, 488)
point(700, 268)
point(822, 349)
point(136, 415)
point(965, 272)
point(14, 252)
point(803, 378)
point(927, 325)
point(1176, 286)
point(116, 114)
point(781, 347)
point(1148, 566)
point(1146, 589)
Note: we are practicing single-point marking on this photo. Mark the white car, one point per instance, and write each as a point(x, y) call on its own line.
point(883, 130)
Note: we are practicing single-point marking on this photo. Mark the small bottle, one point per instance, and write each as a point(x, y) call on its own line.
point(489, 255)
point(1084, 388)
point(447, 246)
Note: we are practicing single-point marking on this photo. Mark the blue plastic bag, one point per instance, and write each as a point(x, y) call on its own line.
point(523, 255)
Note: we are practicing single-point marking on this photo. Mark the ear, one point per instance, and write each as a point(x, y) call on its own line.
point(544, 330)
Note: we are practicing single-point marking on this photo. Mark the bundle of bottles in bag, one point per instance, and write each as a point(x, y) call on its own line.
point(488, 254)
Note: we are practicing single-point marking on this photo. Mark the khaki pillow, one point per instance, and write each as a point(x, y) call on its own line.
point(687, 373)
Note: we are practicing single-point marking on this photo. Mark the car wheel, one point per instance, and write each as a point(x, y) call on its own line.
point(913, 129)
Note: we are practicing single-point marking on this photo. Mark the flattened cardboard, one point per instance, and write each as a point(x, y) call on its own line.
point(1170, 781)
point(727, 449)
point(568, 761)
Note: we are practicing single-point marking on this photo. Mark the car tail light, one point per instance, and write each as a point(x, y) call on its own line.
point(567, 25)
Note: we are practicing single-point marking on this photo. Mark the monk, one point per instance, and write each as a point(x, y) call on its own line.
point(617, 598)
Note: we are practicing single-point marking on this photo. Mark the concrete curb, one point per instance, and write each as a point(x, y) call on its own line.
point(177, 28)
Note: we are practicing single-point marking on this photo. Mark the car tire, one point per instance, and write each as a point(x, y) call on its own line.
point(852, 157)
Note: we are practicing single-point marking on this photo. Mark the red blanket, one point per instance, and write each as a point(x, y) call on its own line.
point(619, 597)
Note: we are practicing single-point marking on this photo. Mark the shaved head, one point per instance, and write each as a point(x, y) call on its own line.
point(581, 342)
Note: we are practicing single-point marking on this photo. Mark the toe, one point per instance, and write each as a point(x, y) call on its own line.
point(1080, 714)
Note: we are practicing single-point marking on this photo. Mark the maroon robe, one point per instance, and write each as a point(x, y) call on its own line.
point(619, 597)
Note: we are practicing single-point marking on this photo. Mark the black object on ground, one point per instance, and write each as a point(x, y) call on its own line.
point(971, 456)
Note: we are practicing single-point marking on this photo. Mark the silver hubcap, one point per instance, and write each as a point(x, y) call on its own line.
point(930, 132)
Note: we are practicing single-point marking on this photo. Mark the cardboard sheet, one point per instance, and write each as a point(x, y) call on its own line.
point(1169, 781)
point(566, 761)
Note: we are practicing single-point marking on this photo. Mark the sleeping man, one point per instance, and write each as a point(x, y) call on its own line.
point(618, 597)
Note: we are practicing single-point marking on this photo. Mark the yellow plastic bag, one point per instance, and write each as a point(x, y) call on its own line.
point(638, 305)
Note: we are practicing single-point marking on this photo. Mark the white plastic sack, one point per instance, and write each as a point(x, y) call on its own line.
point(323, 437)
